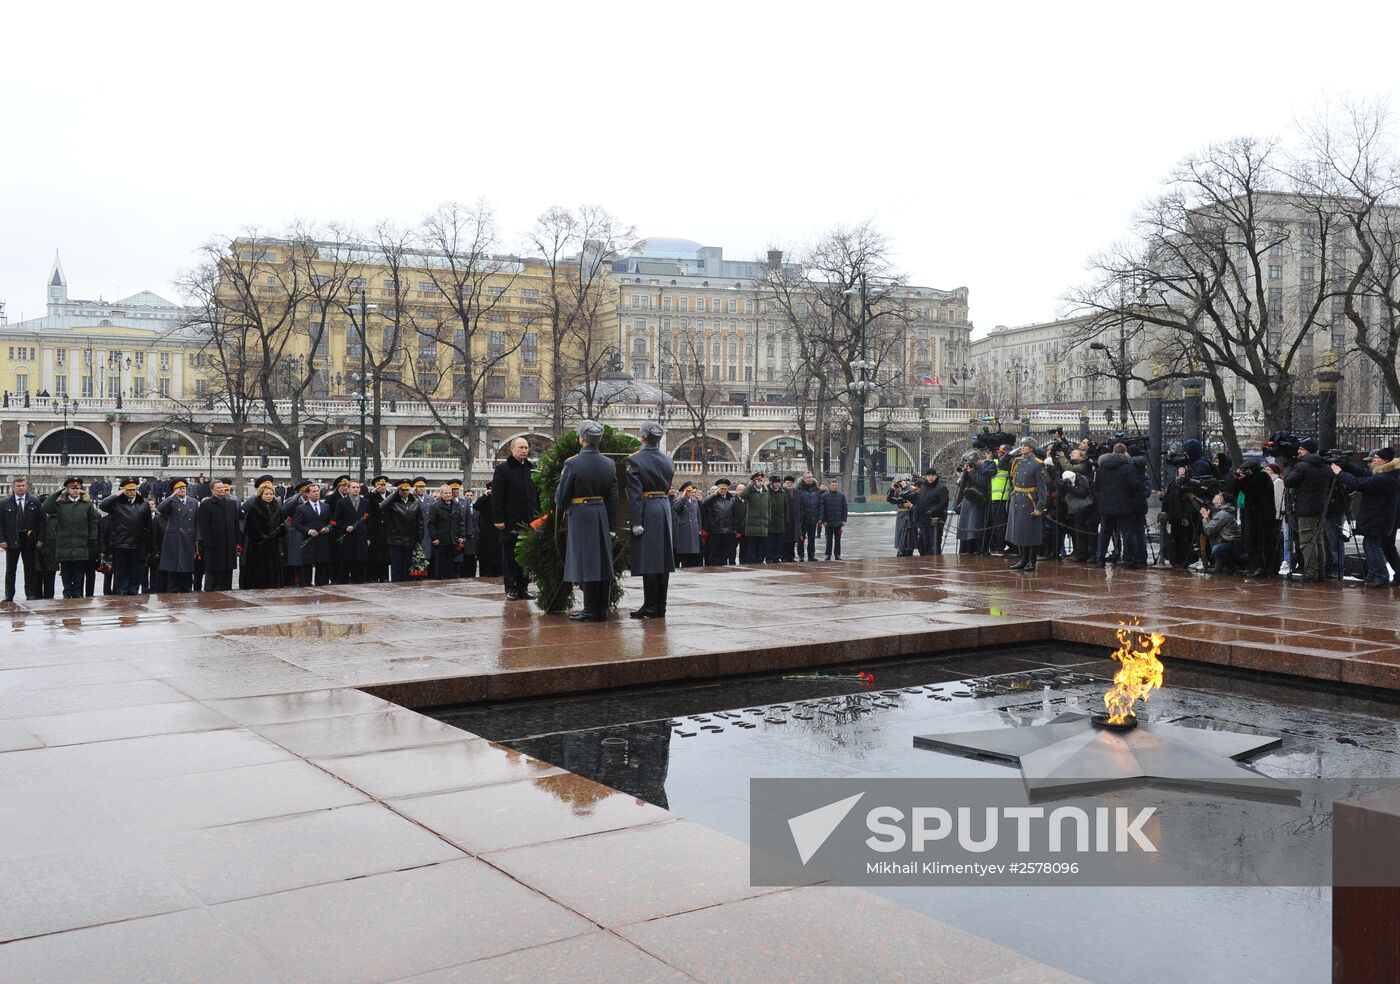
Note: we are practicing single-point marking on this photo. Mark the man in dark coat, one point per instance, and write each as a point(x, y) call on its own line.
point(312, 520)
point(216, 539)
point(377, 560)
point(834, 513)
point(403, 529)
point(354, 518)
point(779, 515)
point(177, 546)
point(1375, 520)
point(338, 488)
point(807, 513)
point(652, 553)
point(425, 504)
point(1311, 481)
point(1029, 489)
point(488, 546)
point(127, 532)
point(586, 502)
point(902, 496)
point(720, 522)
point(515, 502)
point(295, 538)
point(21, 536)
point(445, 533)
point(685, 525)
point(1118, 484)
point(471, 531)
point(931, 512)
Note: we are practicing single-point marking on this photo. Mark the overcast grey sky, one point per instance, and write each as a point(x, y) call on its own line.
point(998, 145)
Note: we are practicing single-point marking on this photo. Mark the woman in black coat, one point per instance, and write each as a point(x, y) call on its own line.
point(264, 529)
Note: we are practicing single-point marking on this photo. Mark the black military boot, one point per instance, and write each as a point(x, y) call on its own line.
point(1020, 565)
point(658, 602)
point(648, 608)
point(1030, 560)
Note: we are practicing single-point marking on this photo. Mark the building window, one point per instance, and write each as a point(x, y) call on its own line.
point(496, 344)
point(639, 369)
point(140, 360)
point(165, 361)
point(733, 373)
point(530, 389)
point(734, 305)
point(428, 382)
point(636, 301)
point(1275, 271)
point(87, 387)
point(138, 387)
point(748, 374)
point(353, 348)
point(201, 387)
point(733, 348)
point(530, 293)
point(164, 384)
point(639, 345)
point(530, 348)
point(496, 386)
point(21, 384)
point(666, 303)
point(114, 387)
point(682, 304)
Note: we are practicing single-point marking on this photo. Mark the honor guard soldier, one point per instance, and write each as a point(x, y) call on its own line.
point(587, 497)
point(649, 472)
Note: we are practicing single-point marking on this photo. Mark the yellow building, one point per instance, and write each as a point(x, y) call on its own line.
point(405, 307)
point(134, 348)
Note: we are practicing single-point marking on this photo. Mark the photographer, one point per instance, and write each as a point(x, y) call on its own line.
point(1310, 480)
point(902, 497)
point(1260, 520)
point(1181, 506)
point(1119, 485)
point(1078, 499)
point(1224, 532)
point(931, 512)
point(998, 505)
point(974, 498)
point(1375, 521)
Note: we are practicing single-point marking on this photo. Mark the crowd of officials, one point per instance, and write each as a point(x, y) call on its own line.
point(1286, 510)
point(1289, 510)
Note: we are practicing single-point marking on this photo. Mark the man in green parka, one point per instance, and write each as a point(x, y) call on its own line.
point(72, 531)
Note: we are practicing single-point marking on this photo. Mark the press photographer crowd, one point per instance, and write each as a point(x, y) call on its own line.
point(1287, 509)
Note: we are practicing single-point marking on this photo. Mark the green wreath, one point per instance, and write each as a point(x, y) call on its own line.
point(540, 552)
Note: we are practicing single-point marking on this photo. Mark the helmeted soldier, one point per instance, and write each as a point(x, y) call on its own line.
point(587, 497)
point(649, 472)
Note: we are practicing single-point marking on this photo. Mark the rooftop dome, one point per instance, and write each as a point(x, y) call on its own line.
point(660, 246)
point(616, 387)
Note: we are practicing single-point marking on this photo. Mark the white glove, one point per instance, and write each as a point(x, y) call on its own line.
point(638, 530)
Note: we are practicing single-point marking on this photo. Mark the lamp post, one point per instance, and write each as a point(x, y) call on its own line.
point(861, 386)
point(360, 325)
point(1120, 370)
point(62, 407)
point(29, 450)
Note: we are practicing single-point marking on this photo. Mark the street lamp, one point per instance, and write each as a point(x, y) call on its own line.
point(360, 325)
point(29, 449)
point(62, 407)
point(861, 386)
point(1120, 370)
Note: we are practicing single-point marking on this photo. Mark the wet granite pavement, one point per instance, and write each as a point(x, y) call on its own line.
point(692, 748)
point(215, 786)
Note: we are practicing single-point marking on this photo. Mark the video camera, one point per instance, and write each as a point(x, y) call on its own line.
point(1338, 456)
point(1283, 444)
point(988, 441)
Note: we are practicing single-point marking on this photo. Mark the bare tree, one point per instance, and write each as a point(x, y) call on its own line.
point(577, 249)
point(819, 298)
point(684, 361)
point(1195, 289)
point(228, 361)
point(1348, 167)
point(474, 337)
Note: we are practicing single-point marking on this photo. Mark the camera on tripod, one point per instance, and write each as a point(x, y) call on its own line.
point(988, 441)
